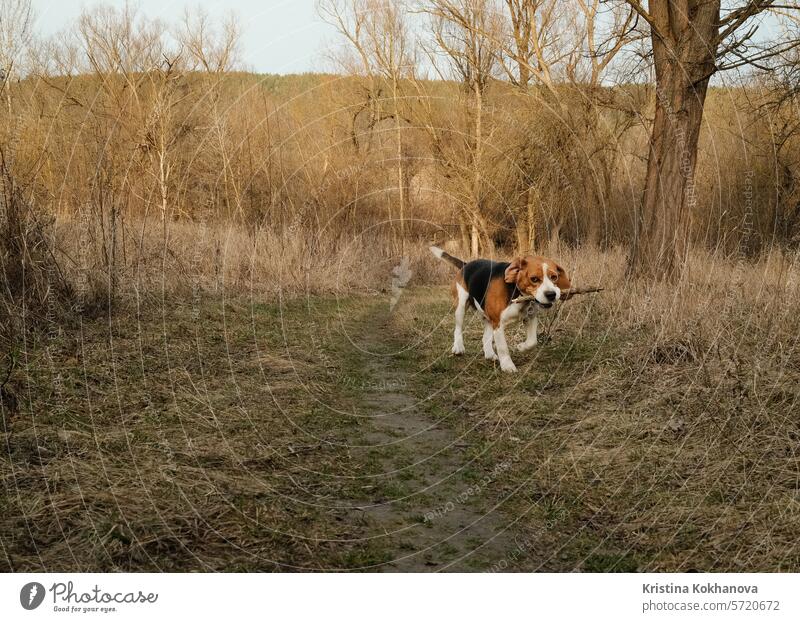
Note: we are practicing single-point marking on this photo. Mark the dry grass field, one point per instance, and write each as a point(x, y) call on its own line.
point(654, 428)
point(225, 345)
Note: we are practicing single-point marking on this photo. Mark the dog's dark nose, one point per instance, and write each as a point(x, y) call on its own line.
point(550, 295)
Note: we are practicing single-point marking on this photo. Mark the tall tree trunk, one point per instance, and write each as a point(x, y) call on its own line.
point(474, 240)
point(523, 239)
point(477, 163)
point(464, 230)
point(684, 58)
point(401, 174)
point(526, 222)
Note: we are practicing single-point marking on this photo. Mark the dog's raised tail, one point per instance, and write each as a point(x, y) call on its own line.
point(445, 256)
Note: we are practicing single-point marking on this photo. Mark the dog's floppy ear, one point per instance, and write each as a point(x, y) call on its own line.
point(512, 272)
point(563, 278)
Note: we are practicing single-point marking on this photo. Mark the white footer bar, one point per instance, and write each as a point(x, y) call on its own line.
point(401, 597)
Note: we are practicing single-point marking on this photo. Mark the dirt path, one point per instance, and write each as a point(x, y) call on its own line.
point(439, 513)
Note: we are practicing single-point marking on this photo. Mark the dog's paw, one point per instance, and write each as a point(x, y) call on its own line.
point(508, 366)
point(524, 347)
point(490, 356)
point(458, 348)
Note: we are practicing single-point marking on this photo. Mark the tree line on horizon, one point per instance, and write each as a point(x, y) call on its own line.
point(491, 125)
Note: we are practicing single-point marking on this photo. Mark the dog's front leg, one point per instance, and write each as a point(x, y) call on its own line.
point(506, 364)
point(531, 330)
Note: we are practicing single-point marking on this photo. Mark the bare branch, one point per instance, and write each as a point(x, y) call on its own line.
point(642, 12)
point(566, 294)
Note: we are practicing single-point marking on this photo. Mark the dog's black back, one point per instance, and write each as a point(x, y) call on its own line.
point(479, 273)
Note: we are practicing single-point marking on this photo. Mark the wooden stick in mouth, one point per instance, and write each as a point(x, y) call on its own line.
point(566, 294)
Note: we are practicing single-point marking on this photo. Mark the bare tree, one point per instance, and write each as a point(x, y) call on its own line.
point(599, 46)
point(567, 49)
point(120, 47)
point(467, 33)
point(162, 130)
point(529, 52)
point(349, 17)
point(120, 42)
point(776, 107)
point(691, 41)
point(378, 33)
point(16, 21)
point(532, 29)
point(606, 112)
point(387, 32)
point(208, 48)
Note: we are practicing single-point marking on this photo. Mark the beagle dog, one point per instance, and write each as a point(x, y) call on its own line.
point(490, 286)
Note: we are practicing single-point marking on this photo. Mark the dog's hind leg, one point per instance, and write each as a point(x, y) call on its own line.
point(488, 338)
point(461, 308)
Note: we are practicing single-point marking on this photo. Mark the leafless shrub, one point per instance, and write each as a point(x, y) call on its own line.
point(33, 289)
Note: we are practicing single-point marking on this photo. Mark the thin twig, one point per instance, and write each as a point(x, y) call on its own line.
point(566, 294)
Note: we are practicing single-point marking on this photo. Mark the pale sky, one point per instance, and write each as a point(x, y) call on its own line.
point(279, 36)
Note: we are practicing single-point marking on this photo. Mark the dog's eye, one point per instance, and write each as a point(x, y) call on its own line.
point(535, 279)
point(554, 278)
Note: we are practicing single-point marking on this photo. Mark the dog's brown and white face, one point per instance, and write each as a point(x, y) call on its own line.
point(539, 277)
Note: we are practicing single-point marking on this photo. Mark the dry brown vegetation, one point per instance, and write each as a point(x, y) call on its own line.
point(655, 430)
point(149, 187)
point(126, 134)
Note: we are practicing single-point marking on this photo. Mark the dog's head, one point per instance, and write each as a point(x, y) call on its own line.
point(539, 277)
